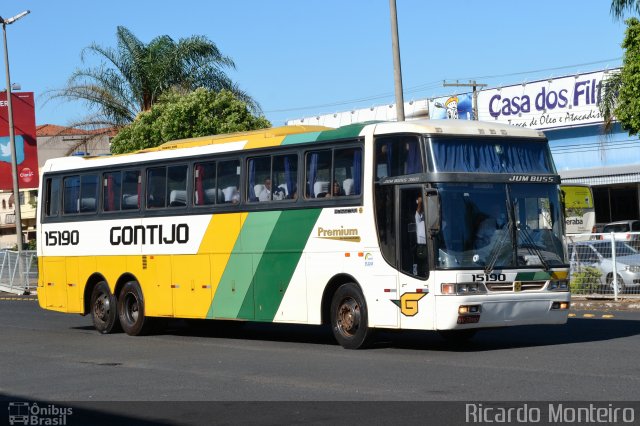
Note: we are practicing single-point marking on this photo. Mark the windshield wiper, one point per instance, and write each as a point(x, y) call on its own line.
point(495, 251)
point(534, 247)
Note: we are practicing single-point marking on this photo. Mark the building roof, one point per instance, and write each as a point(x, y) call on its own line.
point(50, 130)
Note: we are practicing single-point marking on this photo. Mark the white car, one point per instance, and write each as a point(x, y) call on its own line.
point(598, 255)
point(623, 230)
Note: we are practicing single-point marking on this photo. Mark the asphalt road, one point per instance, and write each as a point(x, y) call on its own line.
point(47, 356)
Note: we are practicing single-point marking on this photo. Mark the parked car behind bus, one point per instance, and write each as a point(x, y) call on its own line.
point(624, 230)
point(598, 255)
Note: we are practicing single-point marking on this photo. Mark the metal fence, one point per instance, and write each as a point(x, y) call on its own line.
point(18, 277)
point(605, 265)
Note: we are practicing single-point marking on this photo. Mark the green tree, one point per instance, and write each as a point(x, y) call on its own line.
point(132, 77)
point(202, 112)
point(620, 89)
point(611, 105)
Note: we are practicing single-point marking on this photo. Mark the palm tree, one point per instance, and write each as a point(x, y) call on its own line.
point(618, 7)
point(132, 77)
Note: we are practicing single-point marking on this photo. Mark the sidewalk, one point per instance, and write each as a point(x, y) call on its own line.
point(584, 303)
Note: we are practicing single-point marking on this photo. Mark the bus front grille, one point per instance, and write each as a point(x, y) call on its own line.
point(516, 286)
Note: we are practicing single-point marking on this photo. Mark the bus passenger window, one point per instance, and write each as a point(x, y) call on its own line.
point(131, 188)
point(397, 156)
point(318, 173)
point(205, 190)
point(229, 181)
point(88, 193)
point(52, 197)
point(177, 186)
point(259, 179)
point(71, 196)
point(347, 172)
point(156, 187)
point(285, 177)
point(332, 173)
point(111, 194)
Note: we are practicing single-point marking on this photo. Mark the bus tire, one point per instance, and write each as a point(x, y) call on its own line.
point(104, 309)
point(349, 320)
point(131, 310)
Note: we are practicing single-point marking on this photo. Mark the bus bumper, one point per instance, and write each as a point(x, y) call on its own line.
point(482, 311)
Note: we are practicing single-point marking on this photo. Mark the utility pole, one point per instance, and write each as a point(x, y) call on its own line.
point(474, 85)
point(397, 69)
point(12, 142)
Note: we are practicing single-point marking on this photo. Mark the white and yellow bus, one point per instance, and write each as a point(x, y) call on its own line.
point(579, 210)
point(430, 225)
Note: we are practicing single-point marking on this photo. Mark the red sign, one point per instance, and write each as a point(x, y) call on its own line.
point(24, 123)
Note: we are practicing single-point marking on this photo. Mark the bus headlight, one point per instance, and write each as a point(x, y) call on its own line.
point(463, 288)
point(560, 306)
point(558, 286)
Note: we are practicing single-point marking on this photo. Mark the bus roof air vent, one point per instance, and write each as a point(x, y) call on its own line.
point(481, 131)
point(503, 132)
point(438, 130)
point(492, 131)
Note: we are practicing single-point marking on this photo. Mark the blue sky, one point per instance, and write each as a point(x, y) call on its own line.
point(302, 57)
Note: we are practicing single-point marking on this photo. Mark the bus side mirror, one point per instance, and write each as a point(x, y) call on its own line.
point(432, 209)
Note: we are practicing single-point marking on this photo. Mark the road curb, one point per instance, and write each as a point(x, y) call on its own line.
point(585, 304)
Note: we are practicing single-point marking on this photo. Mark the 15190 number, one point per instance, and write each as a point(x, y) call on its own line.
point(62, 238)
point(489, 277)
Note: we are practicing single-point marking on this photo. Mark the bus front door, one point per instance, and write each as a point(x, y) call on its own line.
point(413, 260)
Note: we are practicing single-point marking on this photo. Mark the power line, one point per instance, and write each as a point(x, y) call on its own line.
point(432, 85)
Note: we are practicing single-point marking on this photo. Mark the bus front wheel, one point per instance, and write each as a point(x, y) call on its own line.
point(131, 310)
point(349, 317)
point(104, 311)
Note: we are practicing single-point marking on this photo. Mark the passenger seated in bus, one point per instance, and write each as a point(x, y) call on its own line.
point(265, 195)
point(336, 189)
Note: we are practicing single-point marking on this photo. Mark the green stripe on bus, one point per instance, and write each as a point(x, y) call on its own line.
point(300, 138)
point(533, 276)
point(282, 255)
point(345, 132)
point(236, 282)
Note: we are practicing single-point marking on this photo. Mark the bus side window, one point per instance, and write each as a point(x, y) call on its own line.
point(398, 155)
point(131, 188)
point(318, 173)
point(111, 183)
point(228, 181)
point(52, 199)
point(205, 189)
point(156, 187)
point(71, 195)
point(347, 172)
point(88, 193)
point(177, 186)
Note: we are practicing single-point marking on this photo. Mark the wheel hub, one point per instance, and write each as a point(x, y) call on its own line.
point(349, 317)
point(102, 307)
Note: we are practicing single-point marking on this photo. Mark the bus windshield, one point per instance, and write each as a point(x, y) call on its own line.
point(493, 225)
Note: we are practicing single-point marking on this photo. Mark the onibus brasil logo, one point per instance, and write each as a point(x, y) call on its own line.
point(25, 413)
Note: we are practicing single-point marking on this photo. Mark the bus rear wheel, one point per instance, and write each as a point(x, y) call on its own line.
point(131, 310)
point(104, 312)
point(349, 320)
